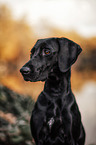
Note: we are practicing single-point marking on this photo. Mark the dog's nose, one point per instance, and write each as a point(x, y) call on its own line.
point(25, 70)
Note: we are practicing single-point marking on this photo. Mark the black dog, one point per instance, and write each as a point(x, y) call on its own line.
point(56, 119)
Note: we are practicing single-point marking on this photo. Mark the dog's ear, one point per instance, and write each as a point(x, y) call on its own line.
point(68, 53)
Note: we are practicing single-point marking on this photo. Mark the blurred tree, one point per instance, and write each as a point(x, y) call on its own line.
point(16, 39)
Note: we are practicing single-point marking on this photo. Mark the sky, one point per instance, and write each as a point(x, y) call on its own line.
point(78, 15)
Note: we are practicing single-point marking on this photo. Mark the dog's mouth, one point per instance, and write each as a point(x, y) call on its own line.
point(33, 78)
point(29, 78)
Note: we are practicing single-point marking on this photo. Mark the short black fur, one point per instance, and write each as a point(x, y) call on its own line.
point(55, 119)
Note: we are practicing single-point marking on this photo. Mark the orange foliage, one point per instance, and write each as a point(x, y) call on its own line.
point(15, 36)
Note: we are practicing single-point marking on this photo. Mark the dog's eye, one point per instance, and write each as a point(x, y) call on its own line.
point(47, 51)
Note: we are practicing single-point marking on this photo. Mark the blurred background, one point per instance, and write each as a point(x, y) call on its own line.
point(22, 22)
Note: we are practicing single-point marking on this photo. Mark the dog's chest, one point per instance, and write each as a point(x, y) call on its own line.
point(53, 111)
point(51, 122)
point(53, 115)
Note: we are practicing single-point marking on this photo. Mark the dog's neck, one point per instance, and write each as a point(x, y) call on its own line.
point(58, 83)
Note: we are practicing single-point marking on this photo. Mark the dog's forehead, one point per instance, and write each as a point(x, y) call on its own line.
point(46, 43)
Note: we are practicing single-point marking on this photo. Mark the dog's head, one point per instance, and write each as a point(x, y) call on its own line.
point(45, 54)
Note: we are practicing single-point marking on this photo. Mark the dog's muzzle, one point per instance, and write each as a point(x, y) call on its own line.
point(26, 73)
